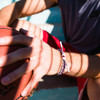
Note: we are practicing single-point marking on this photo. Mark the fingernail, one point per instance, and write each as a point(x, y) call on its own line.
point(23, 31)
point(2, 40)
point(24, 93)
point(5, 80)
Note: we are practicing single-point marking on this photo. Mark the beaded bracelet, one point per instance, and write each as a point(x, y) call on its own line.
point(64, 64)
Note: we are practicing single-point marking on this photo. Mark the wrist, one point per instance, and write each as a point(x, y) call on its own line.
point(56, 62)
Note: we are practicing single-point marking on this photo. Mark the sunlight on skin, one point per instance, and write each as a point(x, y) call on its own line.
point(12, 9)
point(84, 66)
point(23, 8)
point(82, 61)
point(5, 40)
point(27, 28)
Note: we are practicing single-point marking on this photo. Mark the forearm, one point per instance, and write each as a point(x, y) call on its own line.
point(23, 8)
point(8, 14)
point(36, 6)
point(81, 65)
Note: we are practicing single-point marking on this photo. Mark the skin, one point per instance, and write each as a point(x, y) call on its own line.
point(45, 58)
point(23, 8)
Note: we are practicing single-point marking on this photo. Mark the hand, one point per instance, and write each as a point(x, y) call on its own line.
point(41, 59)
point(29, 28)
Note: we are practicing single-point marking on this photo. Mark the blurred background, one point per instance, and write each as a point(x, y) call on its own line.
point(51, 87)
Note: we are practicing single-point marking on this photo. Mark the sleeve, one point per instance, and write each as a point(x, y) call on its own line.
point(55, 43)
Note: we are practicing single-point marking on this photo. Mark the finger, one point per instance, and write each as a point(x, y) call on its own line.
point(17, 24)
point(25, 25)
point(29, 88)
point(37, 32)
point(23, 69)
point(17, 55)
point(30, 93)
point(19, 39)
point(33, 31)
point(23, 31)
point(11, 77)
point(34, 80)
point(30, 32)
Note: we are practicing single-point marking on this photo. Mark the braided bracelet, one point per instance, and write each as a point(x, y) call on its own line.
point(64, 64)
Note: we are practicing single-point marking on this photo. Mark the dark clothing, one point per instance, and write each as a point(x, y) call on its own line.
point(81, 24)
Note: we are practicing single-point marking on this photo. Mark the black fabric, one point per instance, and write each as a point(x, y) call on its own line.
point(81, 24)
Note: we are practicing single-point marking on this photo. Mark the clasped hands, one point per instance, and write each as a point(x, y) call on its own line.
point(39, 53)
